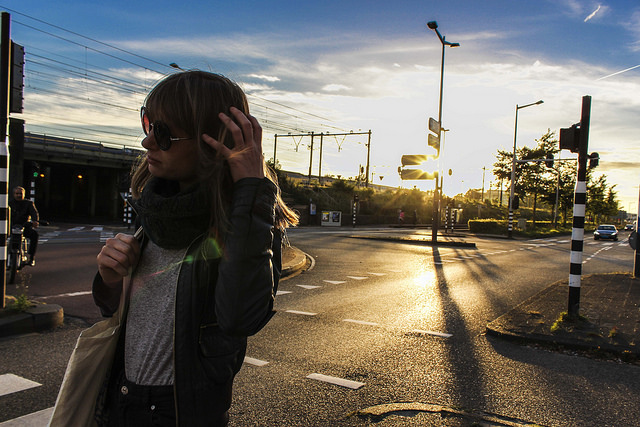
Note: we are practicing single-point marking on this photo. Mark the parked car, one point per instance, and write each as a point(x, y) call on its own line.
point(606, 231)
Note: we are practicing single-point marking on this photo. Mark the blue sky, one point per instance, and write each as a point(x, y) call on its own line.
point(334, 66)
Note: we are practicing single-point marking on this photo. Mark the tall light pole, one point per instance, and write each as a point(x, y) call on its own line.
point(513, 166)
point(433, 25)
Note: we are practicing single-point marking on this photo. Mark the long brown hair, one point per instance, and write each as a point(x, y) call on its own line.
point(191, 101)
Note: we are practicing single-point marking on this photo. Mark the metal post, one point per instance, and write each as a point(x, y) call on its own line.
point(310, 159)
point(513, 177)
point(275, 145)
point(579, 209)
point(5, 70)
point(320, 165)
point(368, 154)
point(636, 259)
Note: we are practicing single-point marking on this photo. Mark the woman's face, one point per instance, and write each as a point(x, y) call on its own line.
point(178, 163)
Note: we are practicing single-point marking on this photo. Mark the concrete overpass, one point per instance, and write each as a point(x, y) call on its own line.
point(74, 180)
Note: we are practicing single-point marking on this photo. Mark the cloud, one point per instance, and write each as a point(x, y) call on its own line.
point(263, 77)
point(335, 88)
point(593, 14)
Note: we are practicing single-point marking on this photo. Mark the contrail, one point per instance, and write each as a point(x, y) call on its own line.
point(619, 72)
point(593, 14)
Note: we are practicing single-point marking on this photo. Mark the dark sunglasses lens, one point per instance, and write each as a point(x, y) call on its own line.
point(161, 135)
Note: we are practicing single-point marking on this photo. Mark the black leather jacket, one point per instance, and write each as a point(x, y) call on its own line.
point(220, 300)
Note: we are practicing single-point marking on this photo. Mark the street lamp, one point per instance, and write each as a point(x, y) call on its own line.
point(433, 25)
point(513, 166)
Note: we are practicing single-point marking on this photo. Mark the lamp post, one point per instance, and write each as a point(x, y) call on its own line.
point(513, 166)
point(433, 25)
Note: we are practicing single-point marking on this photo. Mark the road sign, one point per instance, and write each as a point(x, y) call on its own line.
point(434, 126)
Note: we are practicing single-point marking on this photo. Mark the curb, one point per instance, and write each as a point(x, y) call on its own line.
point(298, 263)
point(42, 317)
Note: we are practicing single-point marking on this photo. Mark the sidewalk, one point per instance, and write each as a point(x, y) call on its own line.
point(48, 316)
point(609, 324)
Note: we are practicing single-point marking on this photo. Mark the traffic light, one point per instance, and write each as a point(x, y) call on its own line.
point(414, 159)
point(16, 88)
point(570, 138)
point(594, 160)
point(410, 174)
point(515, 202)
point(549, 162)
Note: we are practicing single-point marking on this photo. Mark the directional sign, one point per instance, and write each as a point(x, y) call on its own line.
point(434, 126)
point(434, 141)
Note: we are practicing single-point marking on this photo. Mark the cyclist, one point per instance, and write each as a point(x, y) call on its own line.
point(24, 213)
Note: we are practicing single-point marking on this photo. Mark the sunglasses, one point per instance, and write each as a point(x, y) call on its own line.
point(161, 132)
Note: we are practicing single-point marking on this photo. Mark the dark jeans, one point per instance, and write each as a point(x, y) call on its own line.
point(32, 235)
point(141, 406)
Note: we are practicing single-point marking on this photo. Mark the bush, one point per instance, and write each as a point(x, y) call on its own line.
point(487, 226)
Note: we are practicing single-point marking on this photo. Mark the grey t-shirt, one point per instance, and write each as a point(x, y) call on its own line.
point(148, 350)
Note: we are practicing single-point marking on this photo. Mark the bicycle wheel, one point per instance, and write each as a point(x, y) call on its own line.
point(13, 267)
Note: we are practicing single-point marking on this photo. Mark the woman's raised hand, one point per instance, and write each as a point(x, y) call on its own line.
point(245, 158)
point(118, 257)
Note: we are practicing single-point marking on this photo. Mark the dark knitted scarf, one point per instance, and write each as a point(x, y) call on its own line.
point(173, 219)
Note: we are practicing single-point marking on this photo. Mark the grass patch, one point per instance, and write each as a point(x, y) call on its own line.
point(568, 322)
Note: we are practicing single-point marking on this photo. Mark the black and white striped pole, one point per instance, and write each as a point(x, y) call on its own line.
point(5, 69)
point(576, 139)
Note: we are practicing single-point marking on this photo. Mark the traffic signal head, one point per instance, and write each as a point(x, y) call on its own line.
point(549, 162)
point(515, 202)
point(414, 159)
point(411, 174)
point(594, 159)
point(570, 138)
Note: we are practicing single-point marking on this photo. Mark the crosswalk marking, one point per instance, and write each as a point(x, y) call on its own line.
point(10, 383)
point(357, 277)
point(437, 334)
point(335, 282)
point(40, 418)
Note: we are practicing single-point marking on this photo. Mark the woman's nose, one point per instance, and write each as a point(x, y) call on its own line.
point(149, 141)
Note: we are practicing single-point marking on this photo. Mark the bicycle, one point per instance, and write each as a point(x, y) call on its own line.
point(18, 251)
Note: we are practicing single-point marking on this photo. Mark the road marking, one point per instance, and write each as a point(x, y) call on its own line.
point(40, 418)
point(282, 292)
point(354, 385)
point(10, 383)
point(360, 322)
point(255, 362)
point(378, 274)
point(334, 282)
point(76, 229)
point(357, 277)
point(97, 229)
point(70, 294)
point(437, 334)
point(308, 286)
point(303, 313)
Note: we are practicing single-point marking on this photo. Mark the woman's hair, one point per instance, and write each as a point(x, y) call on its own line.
point(191, 102)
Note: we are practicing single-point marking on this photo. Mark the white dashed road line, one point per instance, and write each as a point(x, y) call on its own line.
point(437, 334)
point(255, 362)
point(336, 381)
point(360, 322)
point(335, 282)
point(303, 313)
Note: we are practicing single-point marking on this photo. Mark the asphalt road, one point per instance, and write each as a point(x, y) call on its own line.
point(390, 322)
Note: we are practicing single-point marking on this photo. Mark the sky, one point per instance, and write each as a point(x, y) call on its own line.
point(341, 66)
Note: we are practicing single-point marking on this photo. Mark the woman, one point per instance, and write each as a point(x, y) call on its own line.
point(205, 272)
